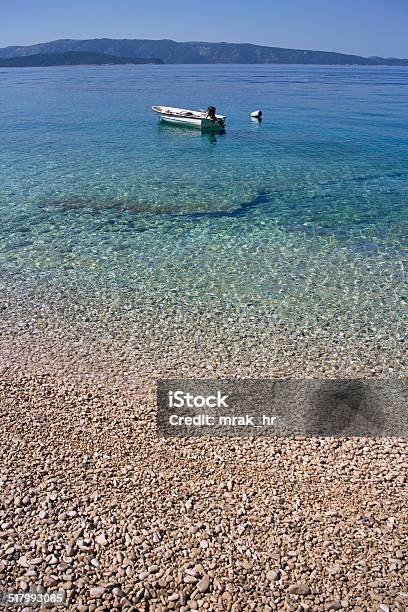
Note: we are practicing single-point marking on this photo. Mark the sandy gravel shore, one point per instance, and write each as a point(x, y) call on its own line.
point(95, 503)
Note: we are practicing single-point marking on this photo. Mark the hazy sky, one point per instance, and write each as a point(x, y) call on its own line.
point(364, 27)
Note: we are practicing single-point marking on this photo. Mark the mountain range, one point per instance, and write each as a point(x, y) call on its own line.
point(171, 52)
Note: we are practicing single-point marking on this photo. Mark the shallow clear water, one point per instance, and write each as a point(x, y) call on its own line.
point(303, 213)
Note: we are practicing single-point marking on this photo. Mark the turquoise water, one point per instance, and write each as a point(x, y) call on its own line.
point(303, 213)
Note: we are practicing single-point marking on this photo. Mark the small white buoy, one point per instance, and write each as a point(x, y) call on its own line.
point(257, 114)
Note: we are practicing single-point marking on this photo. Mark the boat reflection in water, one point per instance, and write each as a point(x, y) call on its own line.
point(210, 135)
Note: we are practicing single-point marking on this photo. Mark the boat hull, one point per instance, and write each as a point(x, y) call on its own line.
point(201, 124)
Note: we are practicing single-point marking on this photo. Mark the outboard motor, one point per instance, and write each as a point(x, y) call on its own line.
point(211, 113)
point(211, 110)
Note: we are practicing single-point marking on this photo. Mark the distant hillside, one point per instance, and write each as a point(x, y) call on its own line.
point(172, 52)
point(71, 58)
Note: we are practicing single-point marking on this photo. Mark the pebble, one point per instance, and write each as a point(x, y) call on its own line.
point(183, 598)
point(118, 592)
point(101, 539)
point(272, 575)
point(173, 597)
point(298, 589)
point(96, 592)
point(333, 605)
point(23, 561)
point(204, 584)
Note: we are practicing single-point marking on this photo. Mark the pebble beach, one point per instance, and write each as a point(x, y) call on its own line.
point(96, 504)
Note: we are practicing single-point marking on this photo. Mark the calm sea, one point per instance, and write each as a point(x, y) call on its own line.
point(302, 214)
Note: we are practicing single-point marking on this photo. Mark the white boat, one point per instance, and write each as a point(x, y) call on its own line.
point(203, 120)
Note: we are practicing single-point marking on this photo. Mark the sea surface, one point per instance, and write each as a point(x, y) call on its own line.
point(302, 215)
